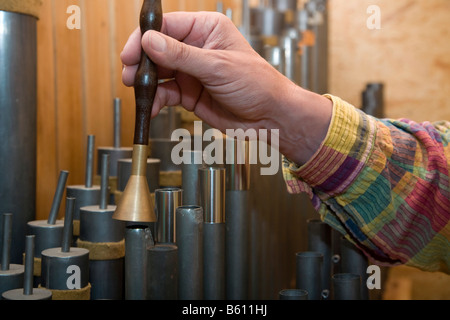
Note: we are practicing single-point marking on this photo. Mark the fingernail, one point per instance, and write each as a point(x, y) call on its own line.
point(157, 42)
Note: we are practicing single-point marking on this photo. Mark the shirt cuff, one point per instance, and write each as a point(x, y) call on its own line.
point(340, 157)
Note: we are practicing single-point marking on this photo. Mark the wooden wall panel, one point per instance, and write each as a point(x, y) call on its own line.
point(125, 14)
point(410, 54)
point(97, 73)
point(69, 99)
point(46, 121)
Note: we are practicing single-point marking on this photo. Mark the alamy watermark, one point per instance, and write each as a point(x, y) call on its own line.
point(374, 20)
point(262, 146)
point(74, 20)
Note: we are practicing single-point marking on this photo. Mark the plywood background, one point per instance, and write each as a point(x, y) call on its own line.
point(79, 71)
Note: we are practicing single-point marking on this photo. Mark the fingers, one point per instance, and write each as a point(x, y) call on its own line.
point(171, 54)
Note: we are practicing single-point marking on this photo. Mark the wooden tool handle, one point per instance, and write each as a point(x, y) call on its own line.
point(146, 80)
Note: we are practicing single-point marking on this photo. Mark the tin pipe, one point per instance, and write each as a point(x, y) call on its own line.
point(58, 260)
point(275, 56)
point(163, 125)
point(319, 240)
point(18, 101)
point(372, 100)
point(27, 292)
point(190, 252)
point(212, 193)
point(267, 22)
point(104, 185)
point(115, 152)
point(11, 275)
point(212, 197)
point(7, 236)
point(98, 226)
point(246, 23)
point(189, 177)
point(167, 200)
point(58, 197)
point(29, 265)
point(56, 263)
point(237, 215)
point(87, 194)
point(162, 272)
point(162, 149)
point(293, 294)
point(68, 225)
point(336, 246)
point(309, 273)
point(138, 239)
point(347, 286)
point(117, 124)
point(354, 261)
point(214, 267)
point(89, 175)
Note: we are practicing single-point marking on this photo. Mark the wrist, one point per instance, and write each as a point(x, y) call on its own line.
point(303, 120)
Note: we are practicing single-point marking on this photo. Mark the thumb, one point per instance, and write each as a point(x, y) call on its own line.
point(172, 54)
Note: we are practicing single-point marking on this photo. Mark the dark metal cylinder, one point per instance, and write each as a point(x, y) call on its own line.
point(152, 173)
point(285, 5)
point(11, 278)
point(293, 294)
point(354, 261)
point(190, 252)
point(57, 266)
point(309, 273)
point(107, 279)
point(11, 275)
point(137, 239)
point(68, 226)
point(117, 122)
point(29, 266)
point(28, 292)
point(346, 286)
point(60, 188)
point(167, 120)
point(18, 100)
point(167, 200)
point(189, 176)
point(319, 240)
point(212, 198)
point(83, 197)
point(266, 21)
point(373, 100)
point(214, 268)
point(97, 225)
point(47, 235)
point(38, 294)
point(237, 217)
point(212, 194)
point(87, 194)
point(106, 276)
point(162, 149)
point(6, 245)
point(162, 272)
point(114, 156)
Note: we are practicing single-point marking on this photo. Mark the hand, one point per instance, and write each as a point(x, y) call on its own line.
point(216, 74)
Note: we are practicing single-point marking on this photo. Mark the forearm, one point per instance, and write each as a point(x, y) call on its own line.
point(384, 184)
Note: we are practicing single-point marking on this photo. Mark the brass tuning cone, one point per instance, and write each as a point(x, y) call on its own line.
point(136, 203)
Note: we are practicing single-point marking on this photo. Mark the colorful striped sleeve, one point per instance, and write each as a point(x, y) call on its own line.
point(384, 184)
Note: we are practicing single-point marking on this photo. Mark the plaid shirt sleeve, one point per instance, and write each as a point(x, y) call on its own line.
point(384, 184)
